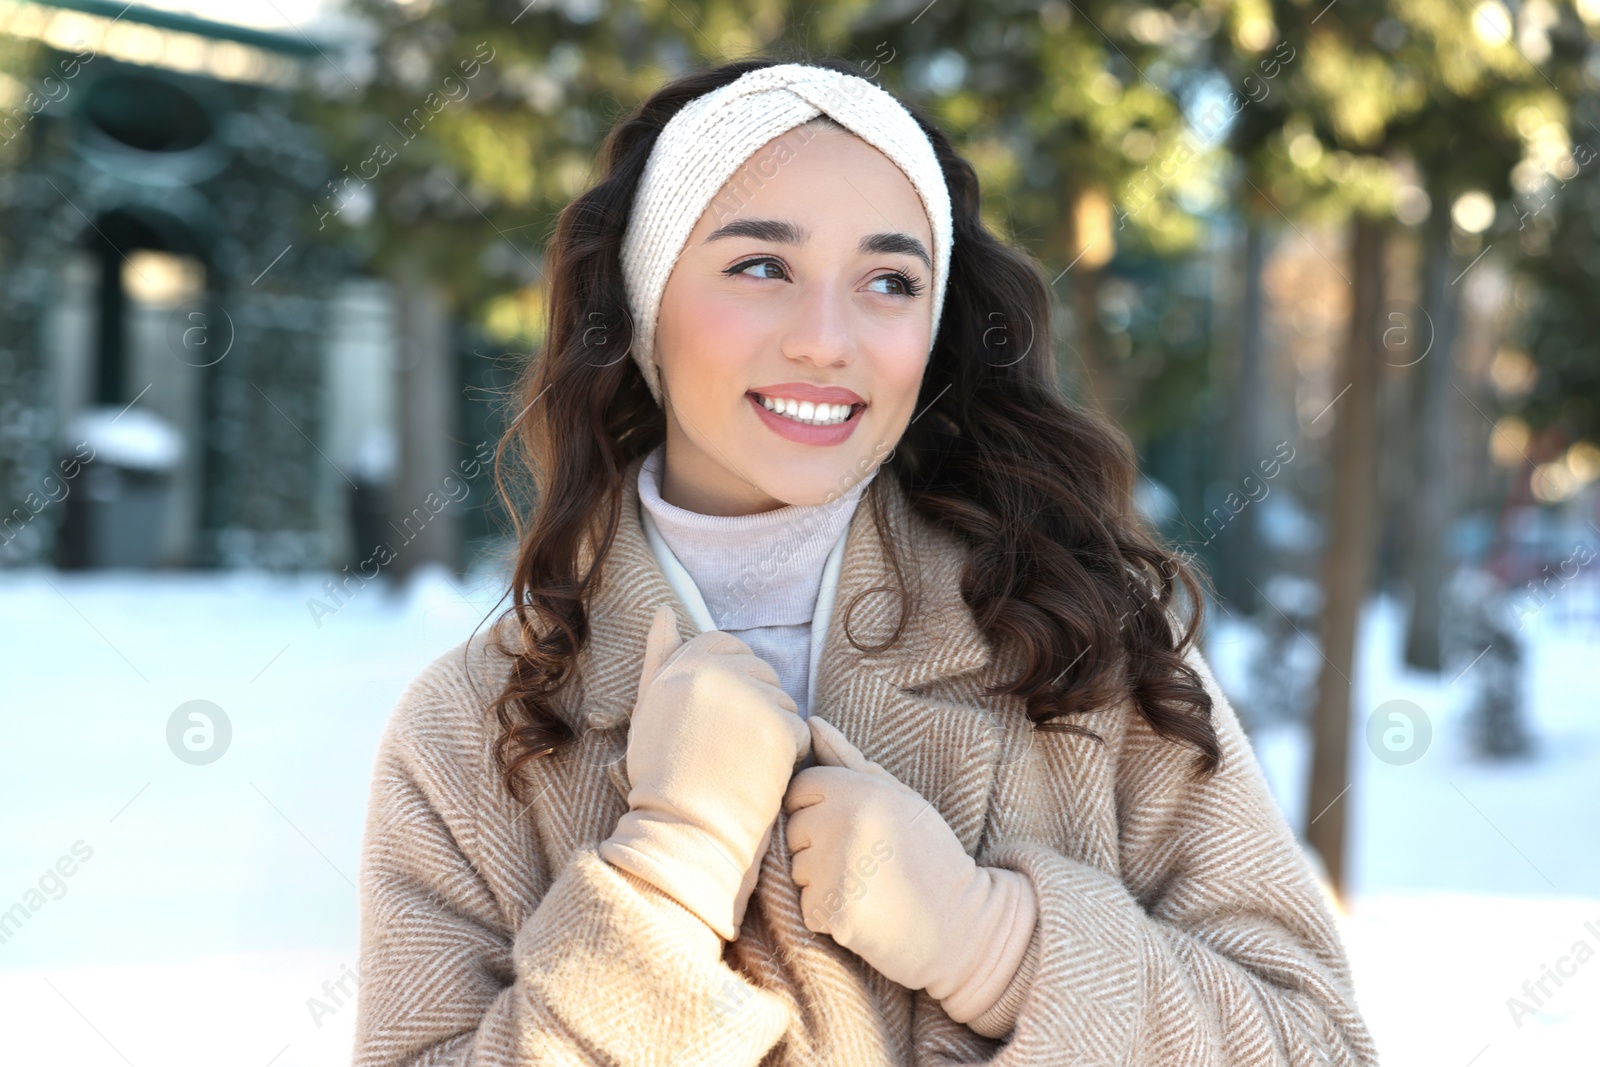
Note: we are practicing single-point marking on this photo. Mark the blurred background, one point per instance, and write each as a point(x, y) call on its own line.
point(266, 269)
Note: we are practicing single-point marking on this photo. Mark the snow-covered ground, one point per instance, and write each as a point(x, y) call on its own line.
point(210, 911)
point(1469, 879)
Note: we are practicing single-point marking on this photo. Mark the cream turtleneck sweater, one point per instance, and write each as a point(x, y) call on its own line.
point(758, 576)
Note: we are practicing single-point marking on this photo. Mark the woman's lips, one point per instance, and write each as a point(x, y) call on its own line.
point(817, 394)
point(802, 433)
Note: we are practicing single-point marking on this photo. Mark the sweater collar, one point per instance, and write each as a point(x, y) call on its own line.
point(940, 639)
point(752, 570)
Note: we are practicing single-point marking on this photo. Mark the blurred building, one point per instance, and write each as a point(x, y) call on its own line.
point(191, 372)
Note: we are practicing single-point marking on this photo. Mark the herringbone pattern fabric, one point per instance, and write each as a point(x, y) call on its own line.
point(1180, 925)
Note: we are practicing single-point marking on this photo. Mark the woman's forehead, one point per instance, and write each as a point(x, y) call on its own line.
point(819, 181)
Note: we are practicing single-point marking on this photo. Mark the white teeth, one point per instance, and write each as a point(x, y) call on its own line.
point(806, 411)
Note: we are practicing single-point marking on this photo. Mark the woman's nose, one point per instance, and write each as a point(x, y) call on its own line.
point(820, 330)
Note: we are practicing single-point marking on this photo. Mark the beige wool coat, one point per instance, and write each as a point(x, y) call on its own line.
point(1180, 925)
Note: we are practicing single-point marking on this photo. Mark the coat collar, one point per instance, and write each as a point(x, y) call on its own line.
point(946, 750)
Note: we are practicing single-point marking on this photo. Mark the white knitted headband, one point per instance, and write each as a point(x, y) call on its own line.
point(706, 142)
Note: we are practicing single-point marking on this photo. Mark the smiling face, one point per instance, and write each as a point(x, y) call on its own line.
point(807, 279)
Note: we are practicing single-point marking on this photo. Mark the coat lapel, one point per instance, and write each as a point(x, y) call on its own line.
point(896, 705)
point(887, 703)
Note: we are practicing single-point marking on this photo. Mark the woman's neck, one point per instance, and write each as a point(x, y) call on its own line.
point(757, 569)
point(691, 480)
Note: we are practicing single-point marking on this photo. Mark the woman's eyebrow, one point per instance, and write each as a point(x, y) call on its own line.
point(895, 242)
point(787, 233)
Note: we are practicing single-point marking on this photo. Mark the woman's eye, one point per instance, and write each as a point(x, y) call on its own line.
point(741, 268)
point(907, 286)
point(903, 284)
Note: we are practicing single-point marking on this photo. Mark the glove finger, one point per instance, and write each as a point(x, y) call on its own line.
point(771, 691)
point(762, 699)
point(722, 643)
point(808, 869)
point(797, 834)
point(834, 749)
point(780, 697)
point(802, 737)
point(750, 665)
point(817, 909)
point(810, 786)
point(659, 644)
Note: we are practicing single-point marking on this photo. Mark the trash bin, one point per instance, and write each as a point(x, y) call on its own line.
point(116, 512)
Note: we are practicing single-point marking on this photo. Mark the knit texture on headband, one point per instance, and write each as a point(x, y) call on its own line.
point(706, 142)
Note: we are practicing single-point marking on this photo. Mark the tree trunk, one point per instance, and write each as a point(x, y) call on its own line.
point(1240, 549)
point(424, 525)
point(1347, 564)
point(1426, 558)
point(1100, 373)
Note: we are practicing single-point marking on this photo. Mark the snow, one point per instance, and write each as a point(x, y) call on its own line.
point(132, 438)
point(216, 913)
point(1467, 878)
point(219, 898)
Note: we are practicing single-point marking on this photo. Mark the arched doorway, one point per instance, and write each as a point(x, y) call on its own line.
point(136, 404)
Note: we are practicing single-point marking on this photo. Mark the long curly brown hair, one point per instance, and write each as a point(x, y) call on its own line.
point(1061, 572)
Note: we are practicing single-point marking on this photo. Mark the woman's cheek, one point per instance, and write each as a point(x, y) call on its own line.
point(732, 348)
point(698, 356)
point(898, 375)
point(722, 336)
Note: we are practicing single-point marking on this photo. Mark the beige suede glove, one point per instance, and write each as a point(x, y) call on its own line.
point(712, 743)
point(886, 877)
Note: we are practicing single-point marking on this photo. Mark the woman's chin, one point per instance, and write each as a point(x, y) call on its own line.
point(814, 480)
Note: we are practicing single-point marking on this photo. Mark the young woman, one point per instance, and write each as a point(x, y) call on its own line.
point(844, 713)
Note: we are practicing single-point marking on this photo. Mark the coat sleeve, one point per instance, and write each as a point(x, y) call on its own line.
point(606, 969)
point(1216, 946)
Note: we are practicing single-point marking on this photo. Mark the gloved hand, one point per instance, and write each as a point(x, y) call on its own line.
point(883, 873)
point(712, 743)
